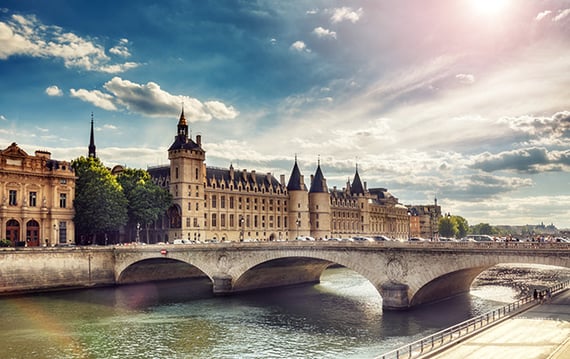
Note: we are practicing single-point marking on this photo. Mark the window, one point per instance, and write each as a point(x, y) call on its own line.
point(197, 189)
point(189, 206)
point(62, 181)
point(231, 203)
point(196, 222)
point(187, 222)
point(13, 197)
point(214, 201)
point(33, 199)
point(196, 173)
point(214, 220)
point(197, 206)
point(222, 220)
point(176, 172)
point(231, 220)
point(223, 202)
point(62, 200)
point(255, 221)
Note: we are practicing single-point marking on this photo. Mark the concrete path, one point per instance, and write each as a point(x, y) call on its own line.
point(541, 332)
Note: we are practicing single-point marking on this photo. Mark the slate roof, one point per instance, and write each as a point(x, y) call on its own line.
point(357, 187)
point(319, 183)
point(295, 182)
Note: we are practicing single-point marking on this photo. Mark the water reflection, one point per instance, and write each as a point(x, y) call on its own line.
point(340, 317)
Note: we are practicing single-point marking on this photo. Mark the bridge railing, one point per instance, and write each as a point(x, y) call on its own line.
point(459, 331)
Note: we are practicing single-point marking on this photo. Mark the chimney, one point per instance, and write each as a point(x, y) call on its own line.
point(199, 140)
point(282, 179)
point(365, 189)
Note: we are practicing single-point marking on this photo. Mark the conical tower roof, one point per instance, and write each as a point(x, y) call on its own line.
point(296, 180)
point(319, 183)
point(357, 187)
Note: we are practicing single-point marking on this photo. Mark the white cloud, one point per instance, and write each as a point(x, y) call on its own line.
point(542, 15)
point(121, 49)
point(299, 46)
point(27, 36)
point(466, 79)
point(95, 97)
point(346, 14)
point(312, 11)
point(53, 91)
point(3, 118)
point(151, 100)
point(323, 33)
point(561, 15)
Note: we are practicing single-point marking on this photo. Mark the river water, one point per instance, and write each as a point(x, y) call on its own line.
point(341, 317)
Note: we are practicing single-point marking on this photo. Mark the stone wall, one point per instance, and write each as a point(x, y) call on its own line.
point(39, 269)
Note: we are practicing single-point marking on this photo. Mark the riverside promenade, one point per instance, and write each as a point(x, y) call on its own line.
point(543, 331)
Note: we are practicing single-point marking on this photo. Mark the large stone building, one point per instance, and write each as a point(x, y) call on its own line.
point(229, 204)
point(36, 194)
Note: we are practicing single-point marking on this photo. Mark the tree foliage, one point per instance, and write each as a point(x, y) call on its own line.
point(146, 200)
point(100, 205)
point(447, 227)
point(483, 228)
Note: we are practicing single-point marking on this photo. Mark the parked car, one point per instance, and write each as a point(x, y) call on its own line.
point(477, 238)
point(362, 239)
point(381, 238)
point(181, 241)
point(417, 239)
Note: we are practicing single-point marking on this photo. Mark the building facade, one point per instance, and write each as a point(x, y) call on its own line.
point(424, 220)
point(234, 205)
point(37, 195)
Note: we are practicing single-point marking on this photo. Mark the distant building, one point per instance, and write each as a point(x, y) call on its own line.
point(231, 205)
point(36, 194)
point(424, 220)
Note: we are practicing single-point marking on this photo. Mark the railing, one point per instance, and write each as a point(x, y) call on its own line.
point(452, 334)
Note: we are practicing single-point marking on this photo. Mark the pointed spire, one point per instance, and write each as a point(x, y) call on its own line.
point(296, 179)
point(357, 187)
point(92, 153)
point(182, 127)
point(319, 183)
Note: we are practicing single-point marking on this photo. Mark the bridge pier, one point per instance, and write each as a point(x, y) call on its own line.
point(395, 296)
point(222, 284)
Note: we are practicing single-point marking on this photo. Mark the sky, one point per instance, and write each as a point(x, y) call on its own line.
point(466, 101)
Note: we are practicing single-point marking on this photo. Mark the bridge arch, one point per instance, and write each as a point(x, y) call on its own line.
point(158, 269)
point(444, 281)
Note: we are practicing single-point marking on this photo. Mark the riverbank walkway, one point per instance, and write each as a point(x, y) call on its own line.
point(543, 331)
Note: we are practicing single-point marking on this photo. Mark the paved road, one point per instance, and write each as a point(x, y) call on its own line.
point(541, 332)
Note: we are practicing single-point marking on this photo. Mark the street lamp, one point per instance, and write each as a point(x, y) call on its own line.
point(409, 224)
point(298, 222)
point(241, 220)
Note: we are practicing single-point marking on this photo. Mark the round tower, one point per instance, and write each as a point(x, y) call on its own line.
point(298, 205)
point(320, 206)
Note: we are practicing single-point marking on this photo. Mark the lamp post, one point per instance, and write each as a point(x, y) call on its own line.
point(241, 220)
point(409, 224)
point(55, 234)
point(298, 222)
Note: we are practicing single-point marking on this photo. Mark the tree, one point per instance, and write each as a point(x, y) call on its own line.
point(483, 228)
point(447, 227)
point(146, 200)
point(462, 226)
point(100, 205)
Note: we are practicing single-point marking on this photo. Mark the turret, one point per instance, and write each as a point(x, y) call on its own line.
point(298, 205)
point(319, 206)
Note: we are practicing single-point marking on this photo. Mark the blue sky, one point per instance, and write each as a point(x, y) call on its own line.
point(466, 100)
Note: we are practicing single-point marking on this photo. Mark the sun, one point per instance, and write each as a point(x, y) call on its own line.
point(489, 7)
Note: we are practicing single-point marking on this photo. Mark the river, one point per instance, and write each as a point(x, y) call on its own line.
point(341, 317)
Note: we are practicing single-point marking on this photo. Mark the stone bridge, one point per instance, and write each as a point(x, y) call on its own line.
point(405, 274)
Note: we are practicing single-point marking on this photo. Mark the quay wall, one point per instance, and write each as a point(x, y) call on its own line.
point(27, 270)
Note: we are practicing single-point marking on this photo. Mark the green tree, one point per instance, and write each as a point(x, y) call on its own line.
point(100, 205)
point(483, 228)
point(146, 200)
point(462, 226)
point(447, 227)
